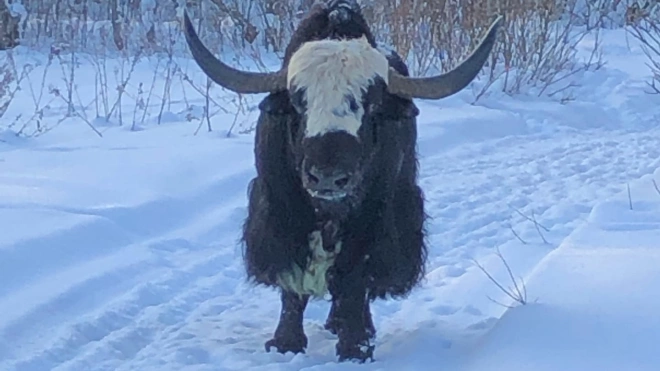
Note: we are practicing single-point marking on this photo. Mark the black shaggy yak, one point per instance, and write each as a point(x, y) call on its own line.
point(335, 206)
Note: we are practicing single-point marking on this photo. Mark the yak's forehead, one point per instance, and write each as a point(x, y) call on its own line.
point(334, 74)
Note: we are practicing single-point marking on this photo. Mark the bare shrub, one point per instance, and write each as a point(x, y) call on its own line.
point(11, 78)
point(643, 17)
point(69, 66)
point(537, 47)
point(537, 50)
point(38, 92)
point(9, 34)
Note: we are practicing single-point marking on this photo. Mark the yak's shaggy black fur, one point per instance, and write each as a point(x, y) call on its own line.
point(384, 251)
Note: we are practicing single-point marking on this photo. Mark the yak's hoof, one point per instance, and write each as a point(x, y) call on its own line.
point(359, 353)
point(292, 344)
point(333, 326)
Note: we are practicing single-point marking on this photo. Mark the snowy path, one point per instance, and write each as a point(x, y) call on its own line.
point(177, 294)
point(124, 254)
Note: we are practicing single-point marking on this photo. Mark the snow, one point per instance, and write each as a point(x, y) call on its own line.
point(596, 310)
point(120, 252)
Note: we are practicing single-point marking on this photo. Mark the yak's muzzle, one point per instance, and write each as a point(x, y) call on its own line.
point(330, 184)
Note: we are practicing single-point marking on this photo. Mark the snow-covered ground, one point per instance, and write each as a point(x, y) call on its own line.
point(120, 253)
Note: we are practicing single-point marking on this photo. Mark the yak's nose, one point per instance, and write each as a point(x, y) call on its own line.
point(331, 183)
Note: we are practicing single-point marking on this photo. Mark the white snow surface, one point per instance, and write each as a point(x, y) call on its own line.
point(121, 252)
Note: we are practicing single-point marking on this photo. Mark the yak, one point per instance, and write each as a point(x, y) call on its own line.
point(335, 207)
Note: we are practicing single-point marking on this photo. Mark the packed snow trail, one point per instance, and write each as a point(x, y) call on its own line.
point(124, 254)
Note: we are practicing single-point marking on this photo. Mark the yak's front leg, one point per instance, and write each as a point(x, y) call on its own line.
point(349, 301)
point(332, 322)
point(289, 335)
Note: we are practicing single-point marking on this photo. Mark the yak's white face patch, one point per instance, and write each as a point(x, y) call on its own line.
point(333, 72)
point(311, 280)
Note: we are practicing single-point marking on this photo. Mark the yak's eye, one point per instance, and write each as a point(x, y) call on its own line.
point(298, 100)
point(352, 103)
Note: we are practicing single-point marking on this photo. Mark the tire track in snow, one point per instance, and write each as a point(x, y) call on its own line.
point(56, 313)
point(152, 310)
point(102, 230)
point(119, 330)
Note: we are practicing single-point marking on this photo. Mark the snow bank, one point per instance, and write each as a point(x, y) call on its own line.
point(596, 307)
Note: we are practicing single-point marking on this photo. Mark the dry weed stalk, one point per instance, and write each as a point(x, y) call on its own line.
point(538, 226)
point(517, 293)
point(10, 83)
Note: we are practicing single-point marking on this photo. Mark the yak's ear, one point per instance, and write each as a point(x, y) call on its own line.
point(276, 104)
point(409, 110)
point(403, 108)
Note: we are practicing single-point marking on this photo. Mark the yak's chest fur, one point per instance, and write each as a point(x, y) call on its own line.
point(312, 278)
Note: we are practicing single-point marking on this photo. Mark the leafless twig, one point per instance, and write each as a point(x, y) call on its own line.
point(532, 219)
point(518, 293)
point(655, 185)
point(517, 235)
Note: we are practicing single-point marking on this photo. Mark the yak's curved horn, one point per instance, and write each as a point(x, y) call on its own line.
point(238, 81)
point(441, 86)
